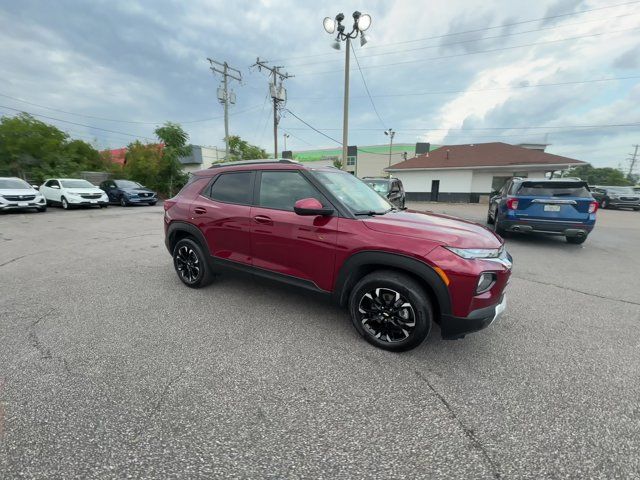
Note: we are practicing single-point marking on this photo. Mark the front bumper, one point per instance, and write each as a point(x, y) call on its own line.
point(619, 203)
point(87, 201)
point(11, 205)
point(453, 328)
point(153, 199)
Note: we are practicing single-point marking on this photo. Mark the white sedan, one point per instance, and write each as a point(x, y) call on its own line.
point(72, 192)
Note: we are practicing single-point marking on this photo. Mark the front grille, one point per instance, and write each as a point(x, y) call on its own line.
point(91, 195)
point(629, 199)
point(143, 194)
point(19, 198)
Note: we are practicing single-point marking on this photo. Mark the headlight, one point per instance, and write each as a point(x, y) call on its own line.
point(472, 253)
point(77, 194)
point(485, 282)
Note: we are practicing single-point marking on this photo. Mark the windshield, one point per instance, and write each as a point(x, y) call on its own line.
point(554, 189)
point(13, 183)
point(380, 186)
point(353, 192)
point(620, 189)
point(76, 184)
point(127, 184)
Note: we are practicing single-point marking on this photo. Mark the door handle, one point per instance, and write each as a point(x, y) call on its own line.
point(200, 210)
point(263, 220)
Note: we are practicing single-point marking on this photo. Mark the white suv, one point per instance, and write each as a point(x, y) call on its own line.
point(71, 192)
point(16, 194)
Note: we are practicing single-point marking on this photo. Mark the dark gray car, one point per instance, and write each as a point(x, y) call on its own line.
point(389, 188)
point(616, 197)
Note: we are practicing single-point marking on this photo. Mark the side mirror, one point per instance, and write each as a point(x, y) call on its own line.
point(56, 187)
point(36, 187)
point(311, 207)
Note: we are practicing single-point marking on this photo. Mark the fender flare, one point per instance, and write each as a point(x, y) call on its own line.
point(179, 226)
point(352, 270)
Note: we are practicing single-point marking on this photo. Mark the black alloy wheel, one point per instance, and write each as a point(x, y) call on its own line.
point(123, 201)
point(190, 264)
point(390, 310)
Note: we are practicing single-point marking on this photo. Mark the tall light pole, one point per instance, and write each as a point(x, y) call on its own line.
point(390, 133)
point(361, 22)
point(284, 137)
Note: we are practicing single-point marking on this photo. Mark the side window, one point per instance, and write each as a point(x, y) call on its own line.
point(49, 183)
point(281, 190)
point(54, 183)
point(233, 188)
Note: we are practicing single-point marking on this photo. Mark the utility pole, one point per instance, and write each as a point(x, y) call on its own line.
point(224, 96)
point(278, 94)
point(632, 160)
point(345, 111)
point(390, 133)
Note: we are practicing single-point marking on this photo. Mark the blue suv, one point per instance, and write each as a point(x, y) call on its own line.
point(561, 206)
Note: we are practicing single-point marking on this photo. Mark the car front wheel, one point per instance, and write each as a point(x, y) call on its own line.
point(391, 310)
point(64, 203)
point(123, 202)
point(604, 203)
point(191, 264)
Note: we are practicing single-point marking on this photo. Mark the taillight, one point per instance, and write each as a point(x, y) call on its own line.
point(168, 204)
point(593, 207)
point(512, 203)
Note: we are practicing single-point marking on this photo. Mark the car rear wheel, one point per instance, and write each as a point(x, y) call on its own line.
point(390, 310)
point(490, 220)
point(576, 240)
point(498, 228)
point(191, 264)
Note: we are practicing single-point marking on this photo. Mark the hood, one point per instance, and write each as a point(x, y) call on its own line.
point(18, 191)
point(444, 229)
point(137, 190)
point(85, 190)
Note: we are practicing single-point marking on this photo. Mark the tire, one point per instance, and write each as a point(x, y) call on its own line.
point(42, 209)
point(388, 327)
point(64, 204)
point(498, 229)
point(123, 202)
point(191, 264)
point(604, 203)
point(635, 209)
point(576, 240)
point(151, 204)
point(490, 220)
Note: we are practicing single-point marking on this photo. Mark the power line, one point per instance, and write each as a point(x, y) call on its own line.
point(314, 128)
point(78, 124)
point(476, 30)
point(514, 87)
point(353, 50)
point(324, 72)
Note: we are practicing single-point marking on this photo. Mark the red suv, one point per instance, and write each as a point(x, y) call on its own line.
point(325, 230)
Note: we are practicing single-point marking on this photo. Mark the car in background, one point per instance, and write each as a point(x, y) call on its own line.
point(552, 206)
point(128, 192)
point(325, 230)
point(73, 192)
point(16, 194)
point(389, 188)
point(616, 197)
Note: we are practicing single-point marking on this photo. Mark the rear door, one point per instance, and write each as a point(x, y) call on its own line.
point(553, 200)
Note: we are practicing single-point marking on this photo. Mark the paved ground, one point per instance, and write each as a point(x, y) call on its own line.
point(110, 368)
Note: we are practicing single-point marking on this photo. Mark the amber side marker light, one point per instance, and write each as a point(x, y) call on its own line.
point(443, 275)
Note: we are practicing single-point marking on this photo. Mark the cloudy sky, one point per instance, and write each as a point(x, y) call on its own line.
point(454, 71)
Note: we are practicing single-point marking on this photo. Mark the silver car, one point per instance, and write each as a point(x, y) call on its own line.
point(16, 194)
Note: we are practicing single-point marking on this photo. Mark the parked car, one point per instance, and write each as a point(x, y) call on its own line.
point(556, 207)
point(391, 188)
point(16, 194)
point(128, 192)
point(616, 197)
point(326, 230)
point(73, 192)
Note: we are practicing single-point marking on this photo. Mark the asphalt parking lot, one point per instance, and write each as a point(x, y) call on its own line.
point(111, 368)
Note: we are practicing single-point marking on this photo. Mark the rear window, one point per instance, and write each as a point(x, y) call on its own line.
point(553, 189)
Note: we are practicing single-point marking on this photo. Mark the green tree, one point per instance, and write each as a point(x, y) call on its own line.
point(35, 150)
point(143, 164)
point(242, 150)
point(599, 176)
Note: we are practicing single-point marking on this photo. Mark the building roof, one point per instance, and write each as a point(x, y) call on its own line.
point(478, 155)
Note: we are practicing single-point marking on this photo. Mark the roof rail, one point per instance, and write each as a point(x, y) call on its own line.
point(254, 162)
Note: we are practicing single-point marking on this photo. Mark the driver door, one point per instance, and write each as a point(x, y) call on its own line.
point(285, 242)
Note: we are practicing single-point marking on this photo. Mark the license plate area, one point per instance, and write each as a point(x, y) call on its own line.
point(23, 204)
point(552, 208)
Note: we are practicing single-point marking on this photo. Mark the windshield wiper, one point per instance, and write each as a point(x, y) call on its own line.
point(371, 213)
